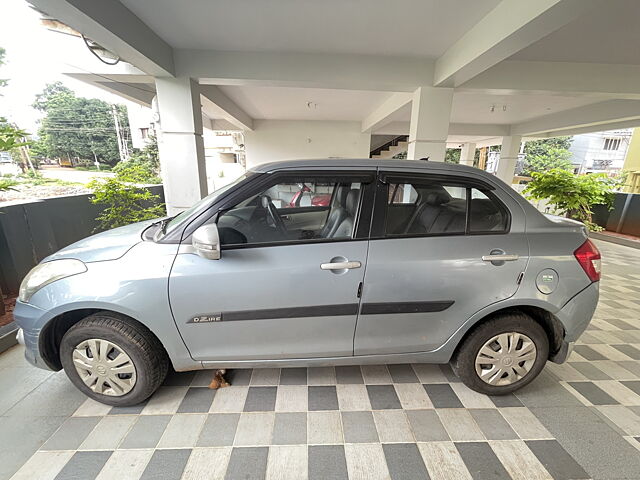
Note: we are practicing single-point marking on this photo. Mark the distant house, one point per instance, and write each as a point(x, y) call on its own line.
point(600, 152)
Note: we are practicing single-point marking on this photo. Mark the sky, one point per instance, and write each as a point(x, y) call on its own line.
point(34, 57)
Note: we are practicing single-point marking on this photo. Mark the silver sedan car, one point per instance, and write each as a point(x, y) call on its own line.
point(319, 262)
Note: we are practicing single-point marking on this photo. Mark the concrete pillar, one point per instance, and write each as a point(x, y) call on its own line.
point(508, 158)
point(430, 112)
point(180, 143)
point(468, 153)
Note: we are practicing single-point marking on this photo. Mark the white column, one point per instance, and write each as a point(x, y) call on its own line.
point(180, 143)
point(468, 153)
point(508, 158)
point(430, 112)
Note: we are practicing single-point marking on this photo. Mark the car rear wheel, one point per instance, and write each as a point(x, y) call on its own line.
point(502, 355)
point(113, 360)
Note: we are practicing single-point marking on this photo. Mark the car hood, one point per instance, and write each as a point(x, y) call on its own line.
point(108, 245)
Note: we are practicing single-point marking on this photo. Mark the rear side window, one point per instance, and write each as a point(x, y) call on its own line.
point(437, 207)
point(427, 208)
point(486, 213)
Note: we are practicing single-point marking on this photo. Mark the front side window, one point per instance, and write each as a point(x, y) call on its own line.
point(292, 210)
point(435, 207)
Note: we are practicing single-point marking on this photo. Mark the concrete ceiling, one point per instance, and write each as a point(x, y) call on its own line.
point(423, 28)
point(608, 34)
point(279, 103)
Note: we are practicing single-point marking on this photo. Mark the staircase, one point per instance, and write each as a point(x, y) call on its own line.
point(391, 149)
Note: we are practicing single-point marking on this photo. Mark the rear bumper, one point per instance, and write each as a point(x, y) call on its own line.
point(575, 317)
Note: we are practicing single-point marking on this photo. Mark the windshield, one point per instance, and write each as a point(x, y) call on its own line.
point(202, 204)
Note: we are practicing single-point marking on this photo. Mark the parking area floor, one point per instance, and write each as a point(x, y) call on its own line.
point(578, 420)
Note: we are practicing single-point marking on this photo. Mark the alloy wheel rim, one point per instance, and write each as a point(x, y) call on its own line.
point(104, 367)
point(505, 359)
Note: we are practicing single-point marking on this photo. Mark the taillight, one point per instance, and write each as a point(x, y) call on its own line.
point(588, 257)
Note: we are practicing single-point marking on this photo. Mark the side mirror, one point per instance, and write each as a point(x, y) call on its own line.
point(206, 242)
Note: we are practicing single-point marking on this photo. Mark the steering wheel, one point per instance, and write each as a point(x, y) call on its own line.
point(268, 205)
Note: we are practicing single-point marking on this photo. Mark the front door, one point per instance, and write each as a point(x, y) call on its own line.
point(286, 285)
point(425, 271)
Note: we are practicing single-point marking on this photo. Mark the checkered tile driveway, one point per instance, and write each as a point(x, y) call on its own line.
point(578, 420)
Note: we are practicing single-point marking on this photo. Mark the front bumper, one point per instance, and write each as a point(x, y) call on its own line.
point(30, 320)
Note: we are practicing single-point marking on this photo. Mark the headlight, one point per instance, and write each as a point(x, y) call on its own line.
point(48, 272)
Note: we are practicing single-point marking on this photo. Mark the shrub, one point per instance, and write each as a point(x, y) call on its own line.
point(124, 204)
point(7, 184)
point(573, 195)
point(136, 170)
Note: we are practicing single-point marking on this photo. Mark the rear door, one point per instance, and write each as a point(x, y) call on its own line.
point(430, 258)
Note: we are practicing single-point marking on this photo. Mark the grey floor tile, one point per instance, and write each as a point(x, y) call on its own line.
point(323, 397)
point(55, 397)
point(349, 374)
point(72, 433)
point(628, 350)
point(359, 427)
point(481, 461)
point(383, 397)
point(290, 429)
point(631, 366)
point(132, 410)
point(402, 373)
point(166, 465)
point(633, 385)
point(327, 462)
point(293, 376)
point(183, 431)
point(261, 399)
point(219, 430)
point(265, 376)
point(426, 426)
point(254, 429)
point(108, 433)
point(621, 324)
point(178, 379)
point(492, 424)
point(593, 393)
point(239, 376)
point(442, 395)
point(146, 432)
point(509, 400)
point(589, 353)
point(598, 448)
point(590, 371)
point(321, 376)
point(32, 432)
point(83, 466)
point(197, 400)
point(545, 391)
point(556, 460)
point(247, 463)
point(404, 461)
point(448, 373)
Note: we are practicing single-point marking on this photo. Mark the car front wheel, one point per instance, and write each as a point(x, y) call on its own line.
point(502, 355)
point(113, 360)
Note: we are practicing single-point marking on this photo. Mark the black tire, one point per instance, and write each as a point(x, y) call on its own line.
point(143, 348)
point(463, 362)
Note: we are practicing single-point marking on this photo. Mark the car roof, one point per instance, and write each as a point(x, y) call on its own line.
point(367, 164)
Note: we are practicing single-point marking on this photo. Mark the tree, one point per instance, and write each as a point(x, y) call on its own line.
point(77, 127)
point(452, 155)
point(573, 195)
point(143, 166)
point(547, 154)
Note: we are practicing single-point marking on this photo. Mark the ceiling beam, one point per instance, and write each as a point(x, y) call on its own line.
point(382, 115)
point(594, 115)
point(462, 129)
point(511, 26)
point(351, 72)
point(115, 27)
point(217, 105)
point(585, 79)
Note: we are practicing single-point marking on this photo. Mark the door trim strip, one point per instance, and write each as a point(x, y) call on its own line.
point(405, 307)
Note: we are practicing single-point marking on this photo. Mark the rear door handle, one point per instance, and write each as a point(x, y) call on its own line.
point(340, 265)
point(500, 258)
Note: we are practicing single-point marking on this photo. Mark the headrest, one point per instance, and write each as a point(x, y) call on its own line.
point(265, 200)
point(436, 197)
point(353, 198)
point(341, 194)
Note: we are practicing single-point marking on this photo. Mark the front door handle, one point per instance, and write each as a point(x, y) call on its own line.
point(340, 265)
point(500, 258)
